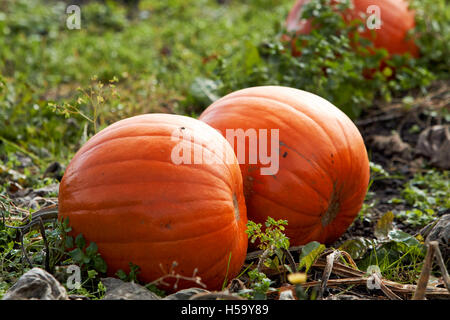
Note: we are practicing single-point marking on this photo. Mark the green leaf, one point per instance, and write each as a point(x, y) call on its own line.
point(86, 259)
point(69, 242)
point(357, 248)
point(92, 274)
point(79, 241)
point(121, 275)
point(252, 57)
point(204, 90)
point(259, 296)
point(65, 225)
point(403, 237)
point(309, 254)
point(77, 255)
point(101, 266)
point(92, 249)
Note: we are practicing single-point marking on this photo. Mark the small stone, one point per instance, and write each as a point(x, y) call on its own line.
point(36, 284)
point(439, 231)
point(185, 294)
point(111, 283)
point(434, 143)
point(286, 295)
point(54, 170)
point(129, 291)
point(45, 191)
point(236, 285)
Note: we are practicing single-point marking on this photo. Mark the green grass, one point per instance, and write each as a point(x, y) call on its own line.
point(155, 60)
point(427, 193)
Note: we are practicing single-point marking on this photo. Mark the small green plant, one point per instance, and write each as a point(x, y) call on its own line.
point(153, 288)
point(428, 191)
point(260, 284)
point(92, 99)
point(272, 240)
point(399, 257)
point(91, 287)
point(397, 253)
point(377, 172)
point(132, 275)
point(416, 218)
point(426, 194)
point(86, 257)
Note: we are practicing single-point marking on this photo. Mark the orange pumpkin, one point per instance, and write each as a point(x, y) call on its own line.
point(396, 21)
point(323, 168)
point(124, 191)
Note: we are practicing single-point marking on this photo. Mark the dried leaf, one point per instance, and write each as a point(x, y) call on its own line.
point(384, 226)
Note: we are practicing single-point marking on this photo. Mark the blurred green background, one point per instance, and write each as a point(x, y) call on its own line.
point(60, 86)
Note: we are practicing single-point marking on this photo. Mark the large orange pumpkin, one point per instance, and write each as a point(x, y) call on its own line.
point(323, 169)
point(396, 21)
point(124, 191)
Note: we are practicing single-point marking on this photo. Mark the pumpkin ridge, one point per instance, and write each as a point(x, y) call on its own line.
point(141, 136)
point(281, 205)
point(333, 208)
point(290, 107)
point(145, 240)
point(140, 204)
point(144, 125)
point(195, 167)
point(123, 124)
point(297, 177)
point(312, 98)
point(236, 208)
point(311, 164)
point(348, 148)
point(150, 182)
point(295, 111)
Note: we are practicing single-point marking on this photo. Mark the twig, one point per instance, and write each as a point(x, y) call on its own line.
point(327, 272)
point(340, 269)
point(173, 275)
point(255, 254)
point(336, 282)
point(352, 274)
point(440, 262)
point(350, 260)
point(292, 265)
point(290, 259)
point(263, 257)
point(37, 218)
point(419, 294)
point(46, 214)
point(378, 119)
point(388, 292)
point(214, 296)
point(24, 253)
point(47, 250)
